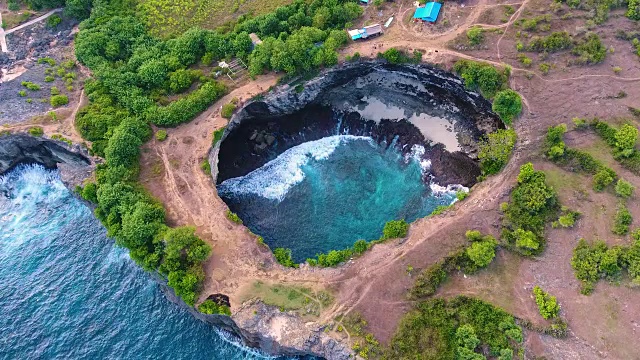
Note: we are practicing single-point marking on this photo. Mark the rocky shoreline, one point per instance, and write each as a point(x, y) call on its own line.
point(74, 162)
point(333, 104)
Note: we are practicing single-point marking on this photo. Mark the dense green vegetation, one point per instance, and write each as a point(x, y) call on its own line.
point(508, 105)
point(547, 304)
point(455, 329)
point(590, 50)
point(483, 77)
point(36, 131)
point(622, 220)
point(475, 35)
point(532, 204)
point(554, 42)
point(210, 307)
point(395, 56)
point(622, 141)
point(283, 256)
point(567, 218)
point(592, 262)
point(395, 229)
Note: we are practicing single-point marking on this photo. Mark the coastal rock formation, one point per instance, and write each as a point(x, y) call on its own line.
point(73, 163)
point(397, 105)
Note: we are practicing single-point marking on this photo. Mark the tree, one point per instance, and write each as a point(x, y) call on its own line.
point(602, 179)
point(395, 229)
point(626, 138)
point(183, 249)
point(475, 35)
point(180, 80)
point(508, 105)
point(140, 226)
point(547, 304)
point(526, 240)
point(123, 148)
point(495, 150)
point(624, 188)
point(283, 256)
point(481, 253)
point(633, 11)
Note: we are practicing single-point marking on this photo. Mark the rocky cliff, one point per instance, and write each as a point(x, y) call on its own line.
point(73, 162)
point(410, 99)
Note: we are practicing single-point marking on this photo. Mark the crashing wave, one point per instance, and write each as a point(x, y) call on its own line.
point(417, 153)
point(274, 179)
point(452, 189)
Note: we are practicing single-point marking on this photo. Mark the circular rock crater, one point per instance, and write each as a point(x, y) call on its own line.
point(316, 166)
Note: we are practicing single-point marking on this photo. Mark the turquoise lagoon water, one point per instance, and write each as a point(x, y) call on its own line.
point(326, 194)
point(68, 293)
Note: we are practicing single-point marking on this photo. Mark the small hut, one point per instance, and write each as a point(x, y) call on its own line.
point(428, 13)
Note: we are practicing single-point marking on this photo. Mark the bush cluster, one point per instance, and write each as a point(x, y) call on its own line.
point(210, 307)
point(622, 141)
point(532, 204)
point(556, 41)
point(481, 76)
point(567, 218)
point(576, 160)
point(622, 220)
point(283, 256)
point(59, 100)
point(592, 262)
point(590, 50)
point(547, 304)
point(186, 108)
point(469, 259)
point(455, 329)
point(395, 229)
point(36, 131)
point(475, 35)
point(336, 257)
point(395, 56)
point(508, 105)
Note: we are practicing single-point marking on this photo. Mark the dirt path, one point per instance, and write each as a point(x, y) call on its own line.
point(31, 22)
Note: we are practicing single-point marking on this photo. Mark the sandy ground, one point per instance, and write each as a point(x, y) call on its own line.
point(601, 325)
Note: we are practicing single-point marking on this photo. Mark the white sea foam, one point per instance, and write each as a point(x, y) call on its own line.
point(274, 179)
point(438, 190)
point(417, 152)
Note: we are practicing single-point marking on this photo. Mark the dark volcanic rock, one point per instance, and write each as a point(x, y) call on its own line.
point(333, 104)
point(24, 149)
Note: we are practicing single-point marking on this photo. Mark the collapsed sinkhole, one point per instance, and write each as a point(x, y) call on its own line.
point(316, 166)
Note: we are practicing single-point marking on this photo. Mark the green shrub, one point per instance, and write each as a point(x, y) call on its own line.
point(36, 131)
point(633, 10)
point(62, 138)
point(622, 220)
point(554, 146)
point(180, 80)
point(481, 253)
point(481, 76)
point(234, 217)
point(428, 281)
point(210, 307)
point(22, 93)
point(532, 204)
point(547, 304)
point(31, 86)
point(53, 21)
point(567, 219)
point(90, 192)
point(59, 100)
point(508, 105)
point(336, 257)
point(544, 68)
point(283, 256)
point(49, 78)
point(590, 50)
point(624, 188)
point(161, 135)
point(602, 179)
point(55, 91)
point(475, 35)
point(227, 110)
point(556, 41)
point(461, 195)
point(495, 149)
point(626, 139)
point(217, 135)
point(429, 332)
point(185, 109)
point(395, 229)
point(395, 56)
point(47, 60)
point(525, 60)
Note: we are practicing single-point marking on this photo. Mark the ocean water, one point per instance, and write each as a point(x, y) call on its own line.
point(326, 194)
point(68, 293)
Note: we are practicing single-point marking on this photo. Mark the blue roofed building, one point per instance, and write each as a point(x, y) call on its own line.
point(428, 13)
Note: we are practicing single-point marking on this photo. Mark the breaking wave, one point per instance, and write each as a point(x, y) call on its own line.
point(274, 179)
